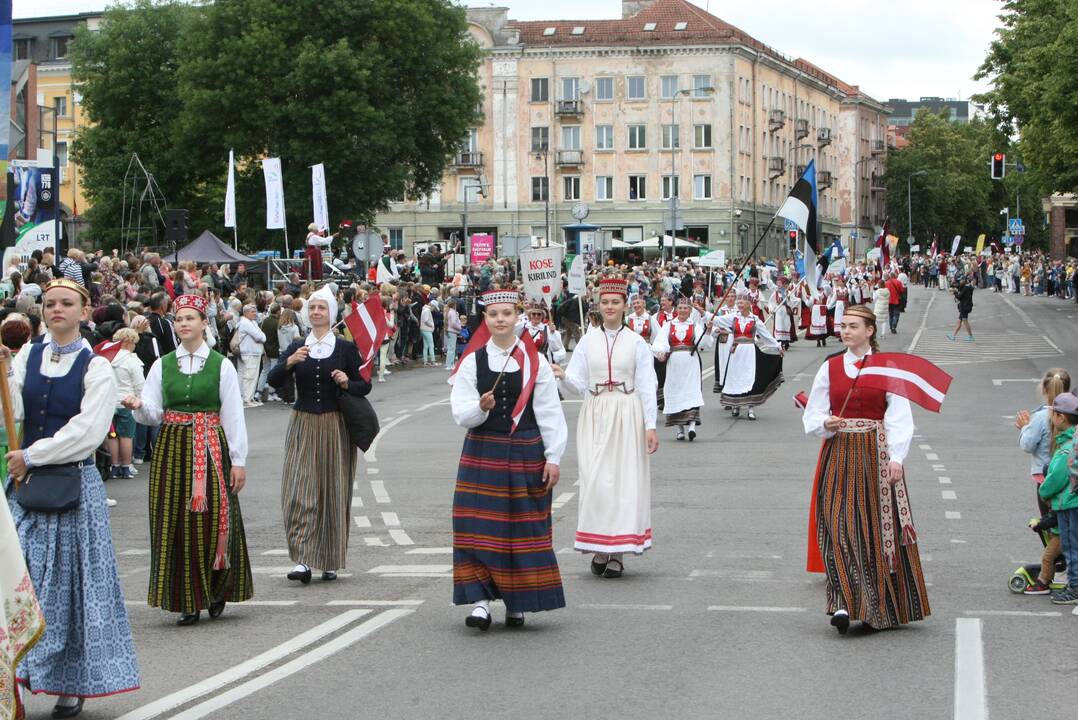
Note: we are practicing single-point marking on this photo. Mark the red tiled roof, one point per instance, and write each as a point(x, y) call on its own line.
point(701, 28)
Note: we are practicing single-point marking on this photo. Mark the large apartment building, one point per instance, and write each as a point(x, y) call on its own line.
point(596, 124)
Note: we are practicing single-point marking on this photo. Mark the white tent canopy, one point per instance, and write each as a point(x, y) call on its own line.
point(652, 243)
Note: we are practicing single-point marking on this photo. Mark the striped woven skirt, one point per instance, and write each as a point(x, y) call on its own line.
point(316, 489)
point(865, 532)
point(692, 415)
point(502, 533)
point(183, 543)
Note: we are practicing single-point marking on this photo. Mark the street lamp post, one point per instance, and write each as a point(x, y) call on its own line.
point(857, 203)
point(706, 90)
point(909, 203)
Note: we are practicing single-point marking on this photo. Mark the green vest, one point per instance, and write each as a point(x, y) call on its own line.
point(191, 393)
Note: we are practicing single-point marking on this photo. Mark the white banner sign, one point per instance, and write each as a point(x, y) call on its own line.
point(318, 193)
point(715, 259)
point(578, 280)
point(230, 193)
point(915, 248)
point(954, 244)
point(541, 272)
point(271, 169)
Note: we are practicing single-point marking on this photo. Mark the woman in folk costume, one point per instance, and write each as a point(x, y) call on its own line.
point(547, 339)
point(69, 395)
point(312, 259)
point(21, 621)
point(820, 322)
point(659, 321)
point(755, 299)
point(841, 300)
point(320, 460)
point(507, 397)
point(724, 341)
point(612, 369)
point(861, 531)
point(198, 549)
point(801, 289)
point(782, 308)
point(751, 376)
point(679, 345)
point(639, 320)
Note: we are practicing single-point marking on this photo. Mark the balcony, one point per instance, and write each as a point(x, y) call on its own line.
point(823, 137)
point(801, 128)
point(776, 166)
point(878, 147)
point(569, 158)
point(468, 160)
point(876, 184)
point(823, 179)
point(776, 119)
point(569, 108)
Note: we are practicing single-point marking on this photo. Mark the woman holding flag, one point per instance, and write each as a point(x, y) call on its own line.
point(320, 460)
point(505, 394)
point(861, 532)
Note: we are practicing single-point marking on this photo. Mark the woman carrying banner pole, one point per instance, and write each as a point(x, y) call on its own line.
point(505, 394)
point(861, 532)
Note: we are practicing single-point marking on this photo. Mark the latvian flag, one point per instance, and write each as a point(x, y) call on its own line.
point(800, 208)
point(526, 355)
point(367, 324)
point(935, 246)
point(910, 376)
point(884, 258)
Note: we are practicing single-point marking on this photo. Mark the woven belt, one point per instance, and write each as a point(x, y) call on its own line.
point(206, 442)
point(611, 386)
point(681, 348)
point(888, 502)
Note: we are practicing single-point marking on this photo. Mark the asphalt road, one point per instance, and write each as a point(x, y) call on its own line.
point(719, 620)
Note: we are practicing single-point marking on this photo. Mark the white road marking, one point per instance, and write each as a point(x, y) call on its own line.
point(276, 551)
point(245, 668)
point(375, 603)
point(135, 551)
point(282, 570)
point(362, 521)
point(944, 480)
point(375, 542)
point(357, 502)
point(355, 486)
point(949, 495)
point(1015, 613)
point(271, 603)
point(969, 694)
point(999, 383)
point(924, 324)
point(400, 537)
point(430, 551)
point(958, 542)
point(318, 654)
point(925, 447)
point(428, 406)
point(1020, 312)
point(407, 569)
point(626, 606)
point(1049, 341)
point(391, 519)
point(561, 500)
point(372, 471)
point(939, 468)
point(931, 456)
point(135, 571)
point(379, 489)
point(952, 515)
point(734, 574)
point(371, 454)
point(756, 608)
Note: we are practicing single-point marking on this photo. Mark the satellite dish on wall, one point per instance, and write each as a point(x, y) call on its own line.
point(585, 87)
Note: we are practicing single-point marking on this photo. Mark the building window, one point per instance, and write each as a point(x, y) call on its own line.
point(570, 88)
point(638, 187)
point(701, 187)
point(58, 48)
point(638, 137)
point(61, 159)
point(540, 138)
point(667, 86)
point(604, 137)
point(540, 90)
point(671, 137)
point(604, 187)
point(59, 104)
point(23, 47)
point(571, 187)
point(671, 186)
point(701, 136)
point(470, 189)
point(396, 238)
point(540, 189)
point(471, 140)
point(700, 83)
point(604, 89)
point(570, 137)
point(636, 87)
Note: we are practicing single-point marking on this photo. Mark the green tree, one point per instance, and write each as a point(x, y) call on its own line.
point(1033, 67)
point(381, 91)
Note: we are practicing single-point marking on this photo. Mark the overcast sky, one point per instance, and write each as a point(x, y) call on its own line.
point(891, 49)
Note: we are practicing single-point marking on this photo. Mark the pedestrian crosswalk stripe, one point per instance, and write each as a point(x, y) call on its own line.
point(986, 347)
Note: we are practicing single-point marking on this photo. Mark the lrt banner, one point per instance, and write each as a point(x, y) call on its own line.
point(30, 217)
point(541, 272)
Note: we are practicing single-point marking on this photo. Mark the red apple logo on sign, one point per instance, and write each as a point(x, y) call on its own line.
point(546, 289)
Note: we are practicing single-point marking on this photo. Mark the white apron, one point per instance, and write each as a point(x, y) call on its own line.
point(741, 369)
point(615, 468)
point(681, 391)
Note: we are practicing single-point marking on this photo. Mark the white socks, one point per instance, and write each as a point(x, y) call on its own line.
point(482, 609)
point(301, 568)
point(692, 427)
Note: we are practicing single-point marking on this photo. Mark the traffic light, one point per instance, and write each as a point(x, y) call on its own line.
point(793, 239)
point(999, 166)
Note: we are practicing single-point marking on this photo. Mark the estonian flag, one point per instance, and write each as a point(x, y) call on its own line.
point(800, 208)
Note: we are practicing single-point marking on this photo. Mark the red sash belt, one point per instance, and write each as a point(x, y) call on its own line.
point(205, 426)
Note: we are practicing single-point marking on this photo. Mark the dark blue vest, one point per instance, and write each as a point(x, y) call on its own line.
point(507, 393)
point(50, 403)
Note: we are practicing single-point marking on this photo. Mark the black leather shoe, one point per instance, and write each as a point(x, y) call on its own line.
point(841, 622)
point(474, 621)
point(514, 622)
point(217, 608)
point(188, 619)
point(597, 568)
point(68, 711)
point(304, 577)
point(614, 569)
point(692, 435)
point(329, 576)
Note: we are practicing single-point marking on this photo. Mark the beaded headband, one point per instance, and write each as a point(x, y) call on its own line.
point(194, 302)
point(615, 286)
point(70, 285)
point(497, 297)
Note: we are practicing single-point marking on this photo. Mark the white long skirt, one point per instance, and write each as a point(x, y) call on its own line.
point(615, 475)
point(681, 391)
